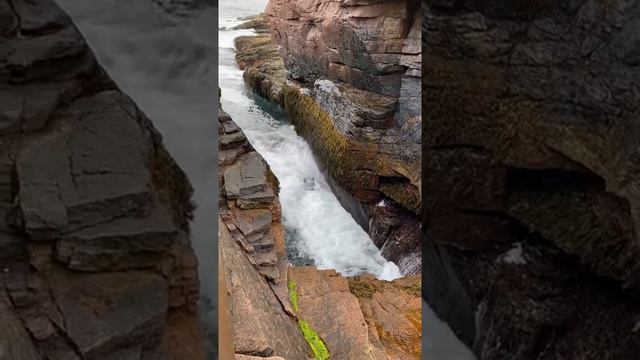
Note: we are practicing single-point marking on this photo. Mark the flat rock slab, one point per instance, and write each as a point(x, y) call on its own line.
point(103, 173)
point(261, 327)
point(262, 199)
point(15, 342)
point(108, 311)
point(228, 141)
point(325, 302)
point(40, 15)
point(125, 243)
point(253, 221)
point(246, 177)
point(85, 179)
point(42, 180)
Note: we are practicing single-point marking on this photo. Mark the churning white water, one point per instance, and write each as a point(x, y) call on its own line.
point(163, 53)
point(318, 227)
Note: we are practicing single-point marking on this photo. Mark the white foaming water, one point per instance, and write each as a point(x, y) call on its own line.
point(322, 229)
point(165, 59)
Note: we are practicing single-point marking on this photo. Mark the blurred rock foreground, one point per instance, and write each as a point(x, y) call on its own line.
point(356, 318)
point(95, 251)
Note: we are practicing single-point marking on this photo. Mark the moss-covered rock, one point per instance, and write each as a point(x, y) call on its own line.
point(353, 164)
point(264, 70)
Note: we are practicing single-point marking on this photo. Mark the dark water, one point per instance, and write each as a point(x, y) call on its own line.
point(163, 53)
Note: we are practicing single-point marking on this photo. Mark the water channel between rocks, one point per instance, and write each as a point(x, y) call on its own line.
point(319, 230)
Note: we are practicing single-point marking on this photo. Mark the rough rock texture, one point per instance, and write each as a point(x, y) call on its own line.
point(369, 318)
point(353, 72)
point(95, 253)
point(532, 137)
point(375, 320)
point(253, 250)
point(263, 67)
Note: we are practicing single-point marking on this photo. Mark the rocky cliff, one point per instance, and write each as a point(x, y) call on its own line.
point(531, 175)
point(352, 90)
point(281, 312)
point(94, 247)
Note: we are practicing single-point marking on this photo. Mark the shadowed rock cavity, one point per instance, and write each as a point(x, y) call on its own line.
point(531, 150)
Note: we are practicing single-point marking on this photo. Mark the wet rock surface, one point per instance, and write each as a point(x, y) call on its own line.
point(532, 136)
point(263, 66)
point(383, 324)
point(96, 258)
point(351, 89)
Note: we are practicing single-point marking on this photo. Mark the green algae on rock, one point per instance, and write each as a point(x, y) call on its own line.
point(317, 345)
point(293, 294)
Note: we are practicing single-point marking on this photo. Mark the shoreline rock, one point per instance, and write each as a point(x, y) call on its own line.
point(95, 211)
point(260, 284)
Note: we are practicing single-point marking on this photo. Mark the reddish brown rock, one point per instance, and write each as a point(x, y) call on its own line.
point(353, 93)
point(361, 317)
point(265, 322)
point(393, 312)
point(532, 140)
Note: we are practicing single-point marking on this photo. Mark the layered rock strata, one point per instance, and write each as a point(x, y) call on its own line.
point(531, 167)
point(94, 247)
point(268, 299)
point(351, 88)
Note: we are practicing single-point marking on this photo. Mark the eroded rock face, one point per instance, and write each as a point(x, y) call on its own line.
point(253, 252)
point(352, 92)
point(96, 257)
point(361, 317)
point(263, 67)
point(368, 44)
point(532, 139)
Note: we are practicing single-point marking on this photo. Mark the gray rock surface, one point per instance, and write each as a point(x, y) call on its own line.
point(95, 257)
point(530, 167)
